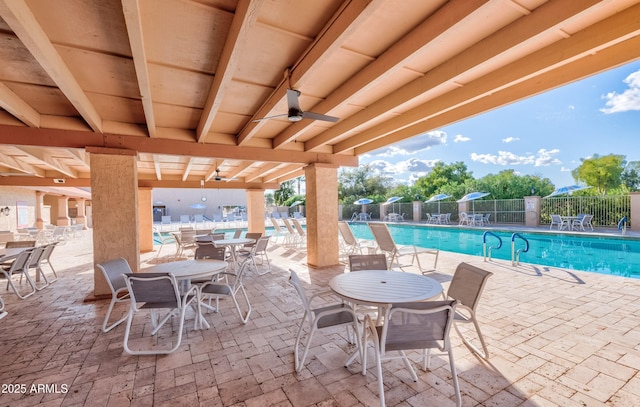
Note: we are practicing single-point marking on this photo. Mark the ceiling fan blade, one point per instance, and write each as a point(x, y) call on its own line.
point(270, 117)
point(318, 116)
point(292, 99)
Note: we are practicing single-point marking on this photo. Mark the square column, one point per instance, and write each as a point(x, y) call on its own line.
point(145, 213)
point(81, 219)
point(63, 211)
point(114, 190)
point(255, 210)
point(39, 207)
point(322, 215)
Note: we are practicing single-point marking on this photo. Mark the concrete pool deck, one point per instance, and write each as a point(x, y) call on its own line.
point(556, 337)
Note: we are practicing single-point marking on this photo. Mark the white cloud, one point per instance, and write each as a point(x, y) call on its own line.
point(541, 159)
point(503, 158)
point(413, 145)
point(565, 169)
point(412, 165)
point(627, 100)
point(545, 157)
point(510, 139)
point(461, 139)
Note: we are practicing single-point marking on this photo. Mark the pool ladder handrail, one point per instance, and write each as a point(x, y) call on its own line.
point(484, 244)
point(515, 255)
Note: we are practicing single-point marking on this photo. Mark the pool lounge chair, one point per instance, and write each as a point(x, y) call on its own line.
point(386, 244)
point(350, 244)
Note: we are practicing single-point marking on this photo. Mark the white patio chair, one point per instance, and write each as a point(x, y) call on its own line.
point(386, 244)
point(412, 326)
point(19, 266)
point(580, 223)
point(157, 291)
point(464, 219)
point(231, 287)
point(3, 313)
point(185, 220)
point(162, 239)
point(35, 262)
point(485, 219)
point(466, 287)
point(326, 317)
point(114, 272)
point(278, 232)
point(557, 220)
point(352, 245)
point(293, 238)
point(302, 235)
point(46, 259)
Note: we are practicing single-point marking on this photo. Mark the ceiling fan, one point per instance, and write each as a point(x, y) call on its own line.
point(219, 178)
point(295, 114)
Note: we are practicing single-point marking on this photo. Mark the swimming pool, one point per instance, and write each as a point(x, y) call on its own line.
point(605, 255)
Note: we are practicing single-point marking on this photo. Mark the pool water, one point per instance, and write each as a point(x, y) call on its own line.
point(605, 255)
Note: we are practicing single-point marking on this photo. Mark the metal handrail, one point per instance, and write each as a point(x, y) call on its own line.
point(515, 255)
point(484, 244)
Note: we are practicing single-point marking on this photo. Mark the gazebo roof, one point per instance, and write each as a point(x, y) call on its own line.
point(181, 83)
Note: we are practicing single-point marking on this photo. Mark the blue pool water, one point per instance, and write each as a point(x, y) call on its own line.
point(605, 255)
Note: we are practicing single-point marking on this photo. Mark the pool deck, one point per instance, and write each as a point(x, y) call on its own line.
point(556, 337)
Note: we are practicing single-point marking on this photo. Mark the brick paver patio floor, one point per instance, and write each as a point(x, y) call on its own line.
point(556, 338)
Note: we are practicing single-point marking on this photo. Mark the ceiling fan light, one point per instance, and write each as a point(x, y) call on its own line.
point(295, 118)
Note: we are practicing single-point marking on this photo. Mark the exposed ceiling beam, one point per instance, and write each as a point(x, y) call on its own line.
point(24, 24)
point(81, 139)
point(187, 168)
point(579, 45)
point(282, 172)
point(261, 172)
point(239, 169)
point(616, 55)
point(245, 17)
point(20, 109)
point(543, 19)
point(290, 176)
point(157, 167)
point(51, 162)
point(22, 167)
point(346, 20)
point(384, 65)
point(212, 170)
point(133, 20)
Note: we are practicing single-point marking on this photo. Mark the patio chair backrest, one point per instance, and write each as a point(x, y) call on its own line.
point(358, 262)
point(298, 227)
point(556, 219)
point(20, 243)
point(383, 237)
point(48, 250)
point(252, 235)
point(114, 272)
point(198, 218)
point(275, 215)
point(37, 254)
point(289, 226)
point(261, 244)
point(347, 233)
point(166, 220)
point(276, 226)
point(417, 325)
point(20, 264)
point(295, 282)
point(156, 290)
point(237, 233)
point(209, 251)
point(467, 285)
point(185, 219)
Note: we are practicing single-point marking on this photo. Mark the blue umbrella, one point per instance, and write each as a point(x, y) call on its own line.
point(296, 203)
point(363, 201)
point(566, 190)
point(473, 196)
point(438, 197)
point(198, 206)
point(393, 199)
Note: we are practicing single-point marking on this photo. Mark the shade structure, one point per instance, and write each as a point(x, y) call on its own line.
point(566, 190)
point(438, 197)
point(296, 203)
point(473, 196)
point(363, 201)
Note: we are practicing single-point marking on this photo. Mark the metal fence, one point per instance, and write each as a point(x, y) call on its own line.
point(606, 210)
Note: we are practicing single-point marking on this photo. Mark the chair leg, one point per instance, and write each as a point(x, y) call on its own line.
point(454, 377)
point(106, 328)
point(244, 319)
point(15, 289)
point(484, 353)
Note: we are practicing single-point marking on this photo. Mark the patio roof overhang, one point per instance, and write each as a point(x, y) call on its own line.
point(182, 83)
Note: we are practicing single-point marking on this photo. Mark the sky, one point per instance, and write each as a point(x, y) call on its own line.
point(546, 135)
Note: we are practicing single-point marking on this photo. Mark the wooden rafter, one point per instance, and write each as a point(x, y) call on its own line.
point(13, 104)
point(46, 159)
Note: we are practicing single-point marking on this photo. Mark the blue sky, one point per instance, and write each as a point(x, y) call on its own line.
point(544, 135)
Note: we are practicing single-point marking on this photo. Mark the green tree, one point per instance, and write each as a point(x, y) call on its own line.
point(285, 192)
point(362, 182)
point(509, 185)
point(453, 179)
point(631, 176)
point(601, 172)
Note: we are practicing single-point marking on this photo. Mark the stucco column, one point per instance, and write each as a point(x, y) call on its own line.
point(63, 211)
point(145, 213)
point(255, 210)
point(532, 206)
point(114, 190)
point(322, 215)
point(39, 205)
point(81, 218)
point(417, 211)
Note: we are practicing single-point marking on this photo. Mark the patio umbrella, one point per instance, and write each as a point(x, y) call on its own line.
point(363, 201)
point(566, 190)
point(296, 203)
point(198, 206)
point(438, 198)
point(392, 200)
point(472, 197)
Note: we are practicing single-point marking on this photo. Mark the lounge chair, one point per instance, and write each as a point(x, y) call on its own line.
point(301, 232)
point(277, 231)
point(352, 245)
point(386, 244)
point(185, 220)
point(581, 222)
point(162, 239)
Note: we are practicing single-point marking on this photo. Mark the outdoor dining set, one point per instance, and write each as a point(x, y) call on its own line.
point(578, 222)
